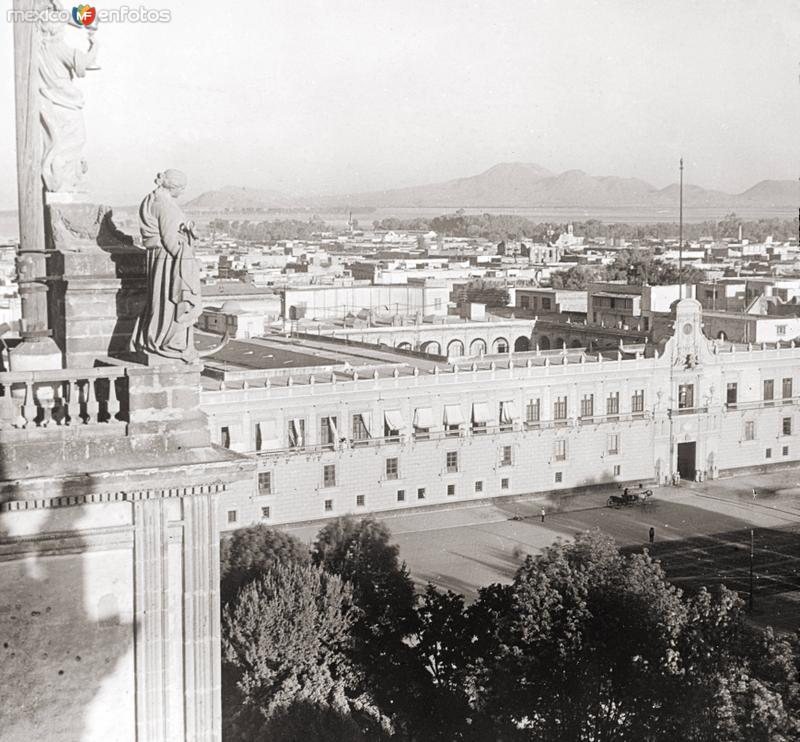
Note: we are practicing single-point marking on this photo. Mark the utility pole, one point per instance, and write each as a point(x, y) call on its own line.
point(752, 555)
point(680, 236)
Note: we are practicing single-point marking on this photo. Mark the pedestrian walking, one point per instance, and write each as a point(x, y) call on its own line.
point(652, 534)
point(754, 494)
point(542, 515)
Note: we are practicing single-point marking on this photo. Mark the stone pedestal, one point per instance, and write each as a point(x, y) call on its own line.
point(97, 279)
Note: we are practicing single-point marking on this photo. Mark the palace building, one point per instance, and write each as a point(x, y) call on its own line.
point(350, 429)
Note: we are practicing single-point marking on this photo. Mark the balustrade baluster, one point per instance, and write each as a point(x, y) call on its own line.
point(29, 409)
point(92, 403)
point(73, 402)
point(113, 400)
point(45, 400)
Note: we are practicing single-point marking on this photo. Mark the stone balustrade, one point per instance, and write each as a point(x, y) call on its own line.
point(64, 398)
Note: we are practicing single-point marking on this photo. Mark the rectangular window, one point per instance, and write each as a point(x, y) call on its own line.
point(360, 429)
point(787, 426)
point(421, 493)
point(506, 458)
point(769, 390)
point(560, 408)
point(504, 483)
point(686, 397)
point(265, 512)
point(329, 475)
point(452, 461)
point(232, 516)
point(612, 404)
point(546, 304)
point(480, 417)
point(617, 469)
point(478, 487)
point(768, 453)
point(731, 394)
point(749, 430)
point(637, 401)
point(780, 329)
point(560, 449)
point(328, 506)
point(401, 495)
point(533, 412)
point(787, 388)
point(558, 477)
point(225, 436)
point(423, 422)
point(328, 431)
point(391, 468)
point(786, 450)
point(361, 501)
point(451, 490)
point(265, 483)
point(296, 432)
point(613, 444)
point(587, 405)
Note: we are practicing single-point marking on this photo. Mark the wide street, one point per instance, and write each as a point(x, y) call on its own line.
point(702, 537)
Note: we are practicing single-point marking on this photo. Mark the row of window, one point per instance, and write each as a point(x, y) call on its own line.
point(392, 464)
point(750, 428)
point(453, 421)
point(422, 493)
point(732, 391)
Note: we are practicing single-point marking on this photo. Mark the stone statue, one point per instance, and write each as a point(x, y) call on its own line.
point(61, 106)
point(173, 301)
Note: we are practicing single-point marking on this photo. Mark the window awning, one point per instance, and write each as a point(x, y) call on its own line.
point(297, 431)
point(453, 414)
point(266, 435)
point(480, 413)
point(423, 418)
point(332, 429)
point(365, 424)
point(394, 419)
point(508, 412)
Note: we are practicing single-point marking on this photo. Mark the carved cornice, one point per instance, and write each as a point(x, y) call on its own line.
point(105, 497)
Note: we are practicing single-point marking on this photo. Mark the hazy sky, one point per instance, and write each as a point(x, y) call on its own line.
point(319, 96)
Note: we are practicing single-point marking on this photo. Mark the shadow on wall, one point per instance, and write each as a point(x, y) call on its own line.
point(130, 268)
point(66, 624)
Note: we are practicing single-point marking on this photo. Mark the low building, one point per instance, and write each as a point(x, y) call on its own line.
point(546, 301)
point(338, 430)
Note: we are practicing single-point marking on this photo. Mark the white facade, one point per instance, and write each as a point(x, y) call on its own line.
point(474, 430)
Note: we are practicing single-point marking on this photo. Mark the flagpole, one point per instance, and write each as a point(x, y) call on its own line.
point(680, 238)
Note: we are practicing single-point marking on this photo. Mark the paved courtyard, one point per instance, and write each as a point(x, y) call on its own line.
point(702, 537)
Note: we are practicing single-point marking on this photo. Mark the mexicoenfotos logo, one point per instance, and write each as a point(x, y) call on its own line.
point(89, 16)
point(84, 15)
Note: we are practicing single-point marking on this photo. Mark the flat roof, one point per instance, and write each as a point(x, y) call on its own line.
point(258, 354)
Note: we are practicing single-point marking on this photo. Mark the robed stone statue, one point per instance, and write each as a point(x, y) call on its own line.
point(61, 102)
point(173, 300)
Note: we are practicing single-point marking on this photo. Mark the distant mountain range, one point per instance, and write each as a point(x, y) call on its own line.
point(515, 184)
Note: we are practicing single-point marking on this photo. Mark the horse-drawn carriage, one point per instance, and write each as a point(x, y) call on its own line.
point(629, 497)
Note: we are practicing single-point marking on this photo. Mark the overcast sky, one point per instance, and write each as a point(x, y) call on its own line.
point(320, 96)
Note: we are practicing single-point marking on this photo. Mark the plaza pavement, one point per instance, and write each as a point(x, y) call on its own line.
point(702, 537)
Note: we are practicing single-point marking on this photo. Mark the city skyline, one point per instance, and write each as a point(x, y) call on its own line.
point(320, 100)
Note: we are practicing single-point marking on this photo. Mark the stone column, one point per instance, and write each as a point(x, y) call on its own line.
point(202, 631)
point(151, 601)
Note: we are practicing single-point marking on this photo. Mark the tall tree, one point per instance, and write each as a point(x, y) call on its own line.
point(285, 641)
point(360, 552)
point(250, 552)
